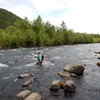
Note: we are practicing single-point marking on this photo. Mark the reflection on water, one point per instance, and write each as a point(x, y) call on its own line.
point(17, 61)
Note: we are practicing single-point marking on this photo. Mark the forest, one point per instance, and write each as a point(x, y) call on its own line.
point(36, 33)
point(7, 18)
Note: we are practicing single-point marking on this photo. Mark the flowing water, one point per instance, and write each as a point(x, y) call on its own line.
point(14, 62)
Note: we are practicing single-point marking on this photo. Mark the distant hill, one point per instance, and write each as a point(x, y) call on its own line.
point(7, 18)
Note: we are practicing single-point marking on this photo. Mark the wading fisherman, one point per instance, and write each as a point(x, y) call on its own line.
point(40, 58)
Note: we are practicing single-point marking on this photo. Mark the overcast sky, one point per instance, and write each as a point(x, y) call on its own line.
point(79, 15)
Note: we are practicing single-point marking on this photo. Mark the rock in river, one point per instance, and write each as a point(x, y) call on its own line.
point(78, 69)
point(67, 74)
point(25, 75)
point(34, 96)
point(22, 95)
point(55, 86)
point(27, 84)
point(98, 63)
point(70, 87)
point(28, 95)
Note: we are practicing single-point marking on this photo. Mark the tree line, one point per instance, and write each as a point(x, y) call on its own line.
point(36, 33)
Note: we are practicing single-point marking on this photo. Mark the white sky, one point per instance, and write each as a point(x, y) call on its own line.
point(79, 15)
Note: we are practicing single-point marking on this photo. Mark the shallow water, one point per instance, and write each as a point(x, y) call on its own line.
point(17, 61)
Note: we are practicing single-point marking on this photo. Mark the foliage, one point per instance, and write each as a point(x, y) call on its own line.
point(7, 18)
point(23, 33)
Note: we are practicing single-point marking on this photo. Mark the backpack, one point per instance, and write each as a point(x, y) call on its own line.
point(42, 57)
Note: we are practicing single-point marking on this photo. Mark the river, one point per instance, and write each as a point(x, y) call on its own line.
point(14, 62)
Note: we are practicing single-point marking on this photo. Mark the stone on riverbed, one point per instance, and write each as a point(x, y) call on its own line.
point(25, 75)
point(69, 87)
point(34, 96)
point(97, 52)
point(22, 95)
point(64, 74)
point(98, 63)
point(67, 74)
point(98, 57)
point(55, 86)
point(26, 84)
point(77, 69)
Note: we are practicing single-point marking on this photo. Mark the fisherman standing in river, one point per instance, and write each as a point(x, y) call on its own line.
point(40, 58)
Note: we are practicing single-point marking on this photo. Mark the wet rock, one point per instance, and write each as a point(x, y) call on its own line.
point(62, 85)
point(77, 69)
point(97, 52)
point(55, 86)
point(69, 87)
point(34, 96)
point(67, 74)
point(27, 84)
point(98, 57)
point(98, 63)
point(22, 95)
point(25, 75)
point(64, 74)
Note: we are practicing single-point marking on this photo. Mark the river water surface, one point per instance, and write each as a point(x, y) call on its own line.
point(14, 62)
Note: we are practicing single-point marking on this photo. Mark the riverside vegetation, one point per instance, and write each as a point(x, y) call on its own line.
point(19, 32)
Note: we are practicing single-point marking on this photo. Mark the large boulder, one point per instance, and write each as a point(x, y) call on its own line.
point(78, 69)
point(55, 86)
point(34, 96)
point(22, 95)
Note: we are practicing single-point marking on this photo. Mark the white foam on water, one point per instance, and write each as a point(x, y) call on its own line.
point(57, 57)
point(31, 64)
point(47, 64)
point(4, 78)
point(24, 66)
point(45, 49)
point(27, 57)
point(3, 65)
point(14, 49)
point(53, 50)
point(59, 49)
point(15, 79)
point(18, 67)
point(11, 62)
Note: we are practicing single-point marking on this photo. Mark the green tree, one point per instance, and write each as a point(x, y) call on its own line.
point(38, 25)
point(50, 29)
